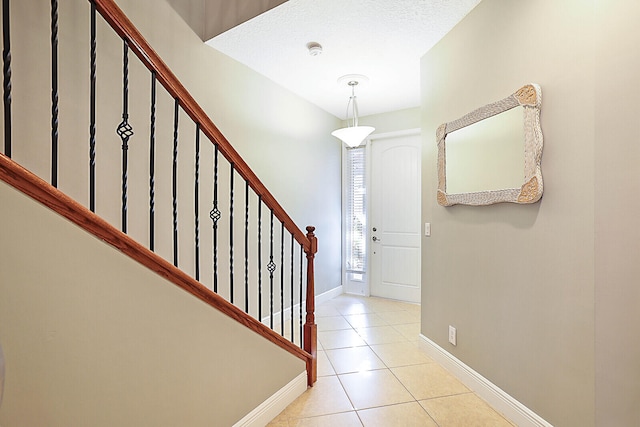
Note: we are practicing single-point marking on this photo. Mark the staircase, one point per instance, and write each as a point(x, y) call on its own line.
point(149, 194)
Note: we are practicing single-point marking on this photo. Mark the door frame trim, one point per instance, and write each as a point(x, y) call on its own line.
point(406, 132)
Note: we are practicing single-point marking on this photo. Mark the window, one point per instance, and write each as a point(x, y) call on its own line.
point(355, 215)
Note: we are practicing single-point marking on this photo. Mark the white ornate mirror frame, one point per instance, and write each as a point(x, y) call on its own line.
point(530, 98)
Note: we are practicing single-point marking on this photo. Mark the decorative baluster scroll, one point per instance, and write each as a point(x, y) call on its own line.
point(125, 131)
point(215, 216)
point(271, 267)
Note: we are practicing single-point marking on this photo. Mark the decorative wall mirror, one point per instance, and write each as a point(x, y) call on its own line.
point(482, 155)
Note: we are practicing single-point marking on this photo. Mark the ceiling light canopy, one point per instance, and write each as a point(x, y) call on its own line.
point(352, 135)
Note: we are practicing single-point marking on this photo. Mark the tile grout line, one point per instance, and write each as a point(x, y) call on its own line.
point(398, 379)
point(415, 400)
point(343, 307)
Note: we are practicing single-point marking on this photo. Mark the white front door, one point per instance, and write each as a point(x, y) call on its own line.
point(394, 225)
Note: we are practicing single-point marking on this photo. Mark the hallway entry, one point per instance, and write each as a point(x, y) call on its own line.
point(382, 220)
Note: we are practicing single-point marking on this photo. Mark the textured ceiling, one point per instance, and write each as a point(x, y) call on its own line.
point(382, 39)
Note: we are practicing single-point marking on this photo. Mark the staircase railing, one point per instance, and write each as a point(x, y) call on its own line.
point(268, 297)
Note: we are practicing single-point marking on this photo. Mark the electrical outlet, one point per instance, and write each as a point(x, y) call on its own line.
point(453, 338)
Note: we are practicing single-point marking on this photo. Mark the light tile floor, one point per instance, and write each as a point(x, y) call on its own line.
point(373, 370)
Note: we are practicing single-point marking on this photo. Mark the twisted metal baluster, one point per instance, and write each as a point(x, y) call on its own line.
point(92, 114)
point(175, 182)
point(124, 130)
point(282, 279)
point(152, 163)
point(6, 60)
point(271, 267)
point(231, 233)
point(215, 216)
point(197, 202)
point(260, 258)
point(300, 308)
point(54, 93)
point(292, 291)
point(246, 246)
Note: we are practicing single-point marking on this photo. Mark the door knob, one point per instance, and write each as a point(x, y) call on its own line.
point(375, 239)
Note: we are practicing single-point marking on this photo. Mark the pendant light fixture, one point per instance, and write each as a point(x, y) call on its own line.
point(352, 135)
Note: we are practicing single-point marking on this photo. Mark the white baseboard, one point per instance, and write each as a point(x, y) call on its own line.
point(494, 395)
point(325, 296)
point(270, 408)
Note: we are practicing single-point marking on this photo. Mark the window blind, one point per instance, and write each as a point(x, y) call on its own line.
point(356, 218)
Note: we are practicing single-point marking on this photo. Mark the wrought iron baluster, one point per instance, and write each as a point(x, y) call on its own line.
point(292, 291)
point(197, 202)
point(54, 93)
point(231, 234)
point(301, 290)
point(246, 246)
point(260, 258)
point(152, 163)
point(6, 61)
point(92, 114)
point(175, 182)
point(215, 216)
point(271, 267)
point(282, 278)
point(124, 130)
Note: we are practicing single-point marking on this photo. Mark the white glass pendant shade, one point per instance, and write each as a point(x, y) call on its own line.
point(353, 136)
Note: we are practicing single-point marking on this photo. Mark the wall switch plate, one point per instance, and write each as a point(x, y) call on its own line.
point(453, 339)
point(427, 229)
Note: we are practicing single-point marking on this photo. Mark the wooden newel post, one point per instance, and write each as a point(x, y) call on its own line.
point(310, 327)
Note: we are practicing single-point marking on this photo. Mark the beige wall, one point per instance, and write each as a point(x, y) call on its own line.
point(193, 13)
point(518, 281)
point(93, 338)
point(393, 121)
point(101, 314)
point(209, 18)
point(617, 151)
point(221, 15)
point(284, 139)
point(544, 297)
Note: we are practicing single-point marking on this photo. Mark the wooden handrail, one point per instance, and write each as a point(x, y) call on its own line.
point(137, 43)
point(46, 194)
point(41, 191)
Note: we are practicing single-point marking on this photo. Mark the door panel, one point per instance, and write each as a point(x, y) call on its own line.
point(398, 266)
point(395, 218)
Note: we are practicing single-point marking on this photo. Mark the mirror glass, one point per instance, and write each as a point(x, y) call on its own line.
point(493, 154)
point(487, 155)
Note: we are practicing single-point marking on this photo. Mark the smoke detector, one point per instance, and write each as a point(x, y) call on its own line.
point(315, 48)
